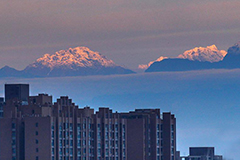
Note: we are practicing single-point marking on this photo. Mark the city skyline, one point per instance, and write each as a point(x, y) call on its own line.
point(40, 129)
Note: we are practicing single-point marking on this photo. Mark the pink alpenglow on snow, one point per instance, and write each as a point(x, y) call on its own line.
point(202, 54)
point(79, 56)
point(145, 66)
point(208, 54)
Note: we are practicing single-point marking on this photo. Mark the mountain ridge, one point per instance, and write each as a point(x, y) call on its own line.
point(79, 56)
point(78, 61)
point(202, 54)
point(230, 61)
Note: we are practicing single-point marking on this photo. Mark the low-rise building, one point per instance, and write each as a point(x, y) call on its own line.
point(202, 153)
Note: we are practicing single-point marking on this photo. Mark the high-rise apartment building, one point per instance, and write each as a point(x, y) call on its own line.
point(17, 93)
point(169, 136)
point(154, 136)
point(41, 130)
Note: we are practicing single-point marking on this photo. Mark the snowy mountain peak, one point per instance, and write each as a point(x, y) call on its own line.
point(203, 54)
point(212, 47)
point(79, 56)
point(145, 66)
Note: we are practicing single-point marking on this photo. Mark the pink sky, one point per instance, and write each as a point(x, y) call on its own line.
point(128, 32)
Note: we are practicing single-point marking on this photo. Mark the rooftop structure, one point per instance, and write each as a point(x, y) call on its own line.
point(202, 153)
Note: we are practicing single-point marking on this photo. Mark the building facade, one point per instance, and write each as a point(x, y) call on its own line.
point(17, 92)
point(41, 130)
point(1, 106)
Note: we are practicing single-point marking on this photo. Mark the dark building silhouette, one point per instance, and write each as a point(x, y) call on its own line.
point(202, 153)
point(62, 131)
point(1, 106)
point(17, 92)
point(155, 137)
point(178, 157)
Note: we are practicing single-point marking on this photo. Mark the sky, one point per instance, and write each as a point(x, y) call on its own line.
point(206, 104)
point(128, 32)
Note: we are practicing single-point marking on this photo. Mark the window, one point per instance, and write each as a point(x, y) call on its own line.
point(71, 126)
point(13, 142)
point(36, 149)
point(52, 142)
point(36, 157)
point(13, 134)
point(52, 134)
point(36, 124)
point(13, 125)
point(36, 133)
point(158, 127)
point(60, 126)
point(172, 136)
point(13, 150)
point(36, 141)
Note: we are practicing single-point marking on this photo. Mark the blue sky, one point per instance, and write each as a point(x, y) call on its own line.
point(128, 32)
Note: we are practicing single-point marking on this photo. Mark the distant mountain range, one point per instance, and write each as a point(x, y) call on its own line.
point(79, 61)
point(201, 54)
point(199, 59)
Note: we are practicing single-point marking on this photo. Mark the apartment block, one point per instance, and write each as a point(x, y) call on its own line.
point(40, 129)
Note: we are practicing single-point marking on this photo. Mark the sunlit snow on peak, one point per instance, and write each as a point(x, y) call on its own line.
point(203, 54)
point(79, 56)
point(145, 66)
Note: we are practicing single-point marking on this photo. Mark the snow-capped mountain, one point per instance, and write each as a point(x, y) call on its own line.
point(145, 66)
point(199, 59)
point(202, 54)
point(73, 62)
point(74, 57)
